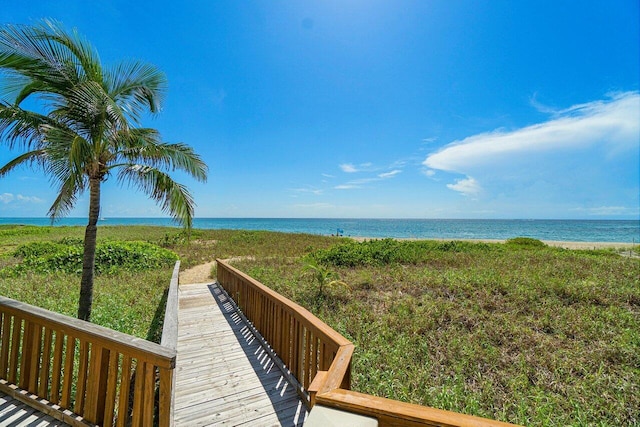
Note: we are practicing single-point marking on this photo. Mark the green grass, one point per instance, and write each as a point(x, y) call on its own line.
point(519, 332)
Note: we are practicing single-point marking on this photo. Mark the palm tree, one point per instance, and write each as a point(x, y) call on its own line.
point(85, 127)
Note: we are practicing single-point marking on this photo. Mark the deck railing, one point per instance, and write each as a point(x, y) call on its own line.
point(320, 358)
point(82, 373)
point(302, 341)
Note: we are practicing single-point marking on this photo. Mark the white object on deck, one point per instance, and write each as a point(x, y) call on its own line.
point(323, 416)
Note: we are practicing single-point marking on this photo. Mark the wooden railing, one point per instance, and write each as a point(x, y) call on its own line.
point(304, 343)
point(82, 373)
point(320, 358)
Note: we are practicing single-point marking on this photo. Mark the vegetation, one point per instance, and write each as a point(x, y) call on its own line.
point(90, 128)
point(519, 332)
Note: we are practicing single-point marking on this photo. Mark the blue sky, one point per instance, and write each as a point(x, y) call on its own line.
point(377, 109)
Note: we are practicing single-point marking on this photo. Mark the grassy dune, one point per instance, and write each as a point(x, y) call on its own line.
point(519, 332)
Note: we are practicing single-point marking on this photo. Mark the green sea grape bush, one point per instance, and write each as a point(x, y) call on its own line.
point(47, 257)
point(526, 242)
point(390, 251)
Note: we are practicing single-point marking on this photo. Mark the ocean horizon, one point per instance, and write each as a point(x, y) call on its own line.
point(622, 231)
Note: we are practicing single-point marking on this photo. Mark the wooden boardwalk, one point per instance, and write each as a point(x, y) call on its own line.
point(17, 414)
point(223, 374)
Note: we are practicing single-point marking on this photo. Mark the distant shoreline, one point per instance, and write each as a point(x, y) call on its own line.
point(583, 232)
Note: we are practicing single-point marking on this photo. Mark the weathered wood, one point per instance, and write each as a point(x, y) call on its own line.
point(42, 405)
point(224, 375)
point(170, 325)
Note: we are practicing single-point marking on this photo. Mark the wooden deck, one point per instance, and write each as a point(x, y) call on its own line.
point(18, 414)
point(223, 374)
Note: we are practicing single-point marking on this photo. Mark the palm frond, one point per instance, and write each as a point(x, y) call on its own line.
point(143, 145)
point(28, 157)
point(30, 52)
point(68, 153)
point(21, 127)
point(67, 196)
point(82, 51)
point(174, 198)
point(136, 86)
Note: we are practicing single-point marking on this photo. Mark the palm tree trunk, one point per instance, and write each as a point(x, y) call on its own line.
point(89, 256)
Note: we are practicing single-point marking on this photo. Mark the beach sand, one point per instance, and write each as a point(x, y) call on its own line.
point(554, 243)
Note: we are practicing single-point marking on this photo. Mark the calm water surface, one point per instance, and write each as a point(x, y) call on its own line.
point(566, 230)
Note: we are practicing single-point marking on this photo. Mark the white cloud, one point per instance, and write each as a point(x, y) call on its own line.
point(428, 172)
point(614, 123)
point(9, 197)
point(346, 187)
point(390, 174)
point(308, 190)
point(467, 186)
point(348, 168)
point(577, 148)
point(31, 199)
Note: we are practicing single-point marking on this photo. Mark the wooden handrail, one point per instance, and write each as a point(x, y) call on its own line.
point(170, 340)
point(303, 342)
point(326, 378)
point(88, 373)
point(394, 413)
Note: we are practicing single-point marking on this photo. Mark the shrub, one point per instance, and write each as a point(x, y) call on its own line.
point(46, 257)
point(390, 251)
point(526, 242)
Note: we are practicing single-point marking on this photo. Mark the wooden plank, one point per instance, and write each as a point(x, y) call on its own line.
point(319, 328)
point(26, 356)
point(34, 365)
point(43, 389)
point(125, 387)
point(112, 385)
point(96, 384)
point(170, 324)
point(6, 340)
point(166, 401)
point(15, 349)
point(40, 405)
point(228, 375)
point(138, 396)
point(67, 381)
point(56, 376)
point(81, 384)
point(148, 394)
point(90, 332)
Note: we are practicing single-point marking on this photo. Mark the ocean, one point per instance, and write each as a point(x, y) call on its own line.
point(626, 231)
